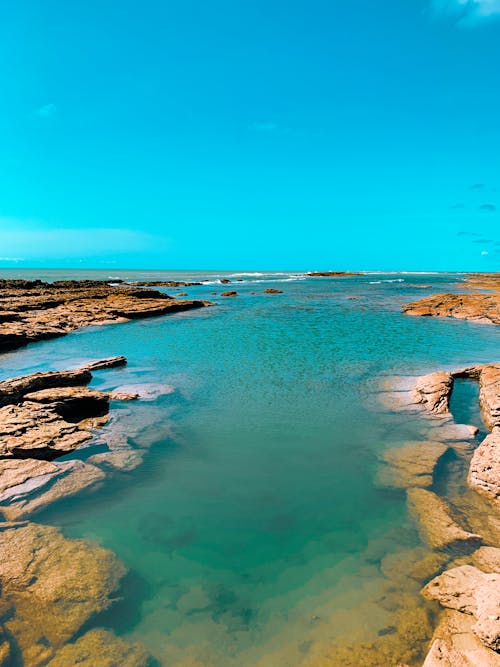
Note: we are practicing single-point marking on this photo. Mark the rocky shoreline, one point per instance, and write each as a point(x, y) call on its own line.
point(477, 307)
point(32, 310)
point(467, 581)
point(51, 587)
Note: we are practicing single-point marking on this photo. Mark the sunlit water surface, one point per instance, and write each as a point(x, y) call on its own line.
point(255, 528)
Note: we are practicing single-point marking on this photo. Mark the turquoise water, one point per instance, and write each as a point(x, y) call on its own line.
point(254, 530)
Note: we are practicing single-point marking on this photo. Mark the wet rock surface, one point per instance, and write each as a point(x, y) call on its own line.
point(34, 310)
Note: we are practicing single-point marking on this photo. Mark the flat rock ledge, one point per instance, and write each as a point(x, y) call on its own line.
point(45, 416)
point(35, 310)
point(475, 307)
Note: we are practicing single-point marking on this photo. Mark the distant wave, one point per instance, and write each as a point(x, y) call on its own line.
point(395, 280)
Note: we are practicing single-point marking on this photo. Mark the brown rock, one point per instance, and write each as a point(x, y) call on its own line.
point(487, 559)
point(110, 362)
point(489, 394)
point(434, 391)
point(477, 307)
point(231, 293)
point(224, 281)
point(13, 390)
point(48, 310)
point(470, 591)
point(484, 471)
point(272, 290)
point(437, 524)
point(455, 645)
point(412, 464)
point(100, 648)
point(54, 585)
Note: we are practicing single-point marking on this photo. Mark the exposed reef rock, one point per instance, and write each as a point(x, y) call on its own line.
point(34, 310)
point(455, 645)
point(476, 307)
point(230, 293)
point(484, 471)
point(470, 591)
point(438, 526)
point(43, 417)
point(272, 290)
point(483, 281)
point(434, 391)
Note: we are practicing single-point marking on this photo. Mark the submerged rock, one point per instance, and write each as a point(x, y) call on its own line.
point(101, 648)
point(410, 465)
point(54, 586)
point(435, 518)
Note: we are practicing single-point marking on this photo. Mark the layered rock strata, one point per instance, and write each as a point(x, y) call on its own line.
point(34, 310)
point(476, 307)
point(43, 417)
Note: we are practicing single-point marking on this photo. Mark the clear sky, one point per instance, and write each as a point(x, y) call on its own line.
point(264, 134)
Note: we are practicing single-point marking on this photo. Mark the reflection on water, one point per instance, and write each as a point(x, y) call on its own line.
point(254, 531)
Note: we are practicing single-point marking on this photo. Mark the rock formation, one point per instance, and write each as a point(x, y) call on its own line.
point(411, 465)
point(476, 307)
point(33, 310)
point(437, 523)
point(470, 591)
point(44, 416)
point(51, 587)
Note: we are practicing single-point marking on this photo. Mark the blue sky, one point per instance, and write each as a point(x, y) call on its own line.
point(264, 134)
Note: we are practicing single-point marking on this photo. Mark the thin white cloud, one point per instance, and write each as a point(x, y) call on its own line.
point(46, 111)
point(484, 252)
point(466, 12)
